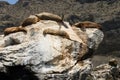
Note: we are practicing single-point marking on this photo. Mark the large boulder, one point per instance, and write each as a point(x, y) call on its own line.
point(48, 56)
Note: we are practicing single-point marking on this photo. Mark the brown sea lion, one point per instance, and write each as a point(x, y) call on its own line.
point(32, 19)
point(50, 16)
point(10, 30)
point(56, 32)
point(87, 24)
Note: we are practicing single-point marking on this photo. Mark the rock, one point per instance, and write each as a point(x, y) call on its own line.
point(113, 62)
point(106, 72)
point(51, 57)
point(95, 37)
point(99, 11)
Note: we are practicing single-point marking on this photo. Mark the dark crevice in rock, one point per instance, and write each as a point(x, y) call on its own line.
point(13, 42)
point(89, 54)
point(18, 73)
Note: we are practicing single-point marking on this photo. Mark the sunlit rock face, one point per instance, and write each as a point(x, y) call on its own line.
point(49, 56)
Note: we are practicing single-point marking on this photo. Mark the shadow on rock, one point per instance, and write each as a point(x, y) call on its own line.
point(18, 73)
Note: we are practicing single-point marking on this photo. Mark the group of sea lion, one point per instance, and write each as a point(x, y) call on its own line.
point(48, 16)
point(33, 19)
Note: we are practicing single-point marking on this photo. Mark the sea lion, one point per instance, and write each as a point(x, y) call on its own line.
point(10, 30)
point(32, 19)
point(88, 24)
point(56, 32)
point(50, 16)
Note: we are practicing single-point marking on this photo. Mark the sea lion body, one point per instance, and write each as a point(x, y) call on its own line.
point(87, 24)
point(10, 30)
point(49, 16)
point(56, 32)
point(32, 19)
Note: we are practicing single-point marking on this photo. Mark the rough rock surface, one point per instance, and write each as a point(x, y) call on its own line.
point(48, 57)
point(106, 72)
point(105, 12)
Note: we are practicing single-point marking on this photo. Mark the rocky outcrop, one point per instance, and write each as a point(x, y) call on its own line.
point(106, 72)
point(43, 53)
point(105, 12)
